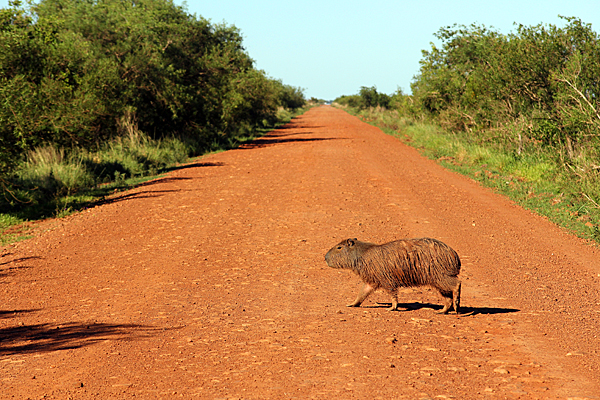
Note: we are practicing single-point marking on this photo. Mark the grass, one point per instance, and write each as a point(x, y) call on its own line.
point(541, 179)
point(53, 182)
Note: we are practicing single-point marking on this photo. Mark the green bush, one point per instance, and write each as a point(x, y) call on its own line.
point(93, 92)
point(74, 72)
point(349, 100)
point(518, 112)
point(366, 98)
point(544, 77)
point(290, 97)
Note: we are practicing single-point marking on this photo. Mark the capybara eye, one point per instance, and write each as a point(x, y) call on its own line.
point(339, 247)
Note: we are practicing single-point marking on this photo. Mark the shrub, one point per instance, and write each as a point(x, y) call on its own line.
point(542, 76)
point(71, 71)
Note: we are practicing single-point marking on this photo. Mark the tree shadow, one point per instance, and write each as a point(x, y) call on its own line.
point(463, 310)
point(192, 165)
point(14, 313)
point(13, 269)
point(18, 259)
point(43, 338)
point(147, 194)
point(292, 125)
point(276, 134)
point(270, 141)
point(161, 180)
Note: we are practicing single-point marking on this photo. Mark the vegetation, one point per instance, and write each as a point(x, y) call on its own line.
point(518, 112)
point(98, 91)
point(538, 86)
point(368, 97)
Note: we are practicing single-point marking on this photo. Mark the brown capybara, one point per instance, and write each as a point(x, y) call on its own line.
point(402, 263)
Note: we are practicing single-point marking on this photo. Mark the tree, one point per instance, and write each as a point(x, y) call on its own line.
point(78, 72)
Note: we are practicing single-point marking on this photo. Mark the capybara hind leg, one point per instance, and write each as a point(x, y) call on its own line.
point(394, 294)
point(364, 293)
point(447, 303)
point(456, 298)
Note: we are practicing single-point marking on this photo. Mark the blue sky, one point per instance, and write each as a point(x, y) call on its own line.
point(331, 48)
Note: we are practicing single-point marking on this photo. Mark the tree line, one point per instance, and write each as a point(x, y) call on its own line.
point(537, 86)
point(76, 73)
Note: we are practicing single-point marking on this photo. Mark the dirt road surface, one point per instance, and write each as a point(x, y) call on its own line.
point(210, 282)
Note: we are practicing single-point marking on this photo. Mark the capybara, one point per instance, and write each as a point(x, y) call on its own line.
point(402, 263)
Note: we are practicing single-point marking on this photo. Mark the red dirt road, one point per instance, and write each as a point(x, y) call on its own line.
point(211, 283)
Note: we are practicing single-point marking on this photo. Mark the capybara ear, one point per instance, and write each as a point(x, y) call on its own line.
point(351, 242)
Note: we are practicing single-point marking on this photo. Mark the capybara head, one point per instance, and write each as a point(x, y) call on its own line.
point(346, 253)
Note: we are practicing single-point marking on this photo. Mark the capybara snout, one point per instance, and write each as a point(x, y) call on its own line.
point(401, 263)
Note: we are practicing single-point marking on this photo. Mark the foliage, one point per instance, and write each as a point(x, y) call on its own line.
point(349, 100)
point(75, 73)
point(402, 103)
point(371, 98)
point(97, 94)
point(316, 101)
point(94, 93)
point(538, 85)
point(366, 98)
point(290, 97)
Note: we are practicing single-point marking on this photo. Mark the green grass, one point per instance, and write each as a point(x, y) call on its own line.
point(537, 178)
point(7, 221)
point(54, 182)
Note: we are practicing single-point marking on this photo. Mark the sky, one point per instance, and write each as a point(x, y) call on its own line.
point(331, 48)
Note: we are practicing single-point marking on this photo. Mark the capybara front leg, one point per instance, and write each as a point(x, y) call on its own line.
point(364, 293)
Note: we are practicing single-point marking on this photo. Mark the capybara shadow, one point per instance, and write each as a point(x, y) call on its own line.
point(401, 263)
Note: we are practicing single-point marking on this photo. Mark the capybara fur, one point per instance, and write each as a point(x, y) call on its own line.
point(402, 263)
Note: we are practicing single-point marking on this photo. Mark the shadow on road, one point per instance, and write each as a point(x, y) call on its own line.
point(41, 338)
point(5, 271)
point(295, 124)
point(185, 166)
point(156, 193)
point(161, 180)
point(18, 260)
point(272, 140)
point(486, 310)
point(463, 310)
point(10, 271)
point(135, 196)
point(14, 313)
